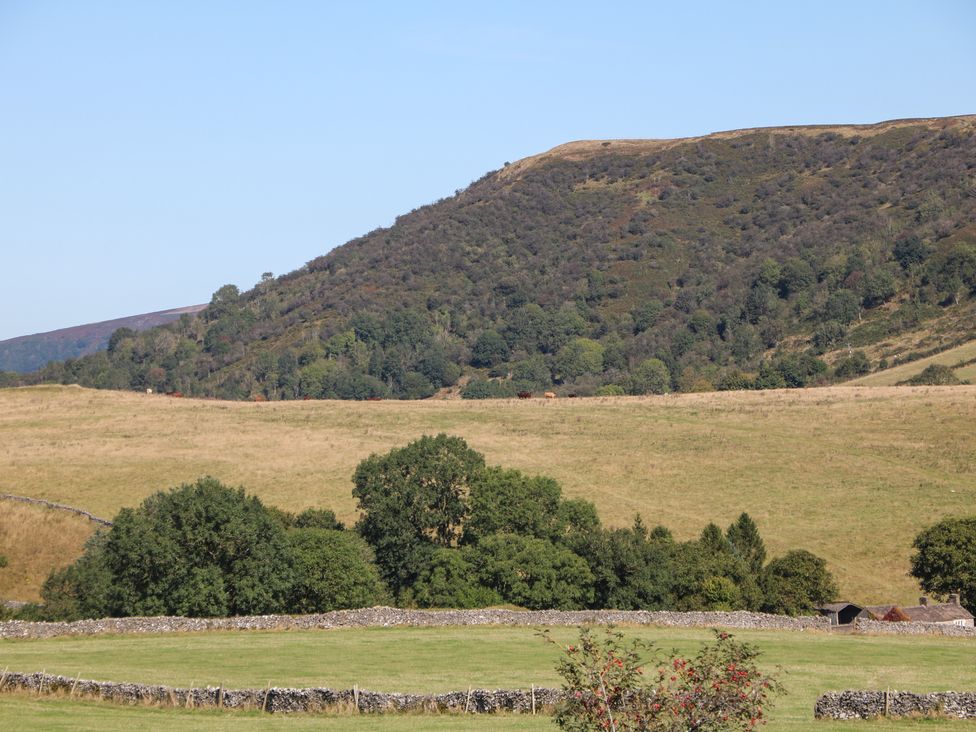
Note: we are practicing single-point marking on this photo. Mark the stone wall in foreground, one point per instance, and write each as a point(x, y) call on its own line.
point(870, 704)
point(277, 700)
point(393, 617)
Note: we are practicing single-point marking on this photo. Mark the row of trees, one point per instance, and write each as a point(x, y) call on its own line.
point(476, 535)
point(439, 528)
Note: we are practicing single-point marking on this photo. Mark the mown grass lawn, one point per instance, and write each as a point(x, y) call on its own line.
point(441, 659)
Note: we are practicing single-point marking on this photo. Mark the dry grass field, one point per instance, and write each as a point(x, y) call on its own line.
point(36, 540)
point(849, 473)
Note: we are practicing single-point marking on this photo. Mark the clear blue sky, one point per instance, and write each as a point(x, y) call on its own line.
point(151, 152)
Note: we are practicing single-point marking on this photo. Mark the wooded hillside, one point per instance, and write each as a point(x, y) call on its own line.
point(757, 258)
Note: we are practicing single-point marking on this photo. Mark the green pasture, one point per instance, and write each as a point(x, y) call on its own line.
point(441, 659)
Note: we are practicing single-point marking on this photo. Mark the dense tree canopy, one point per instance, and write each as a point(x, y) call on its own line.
point(945, 559)
point(413, 501)
point(333, 570)
point(797, 583)
point(201, 549)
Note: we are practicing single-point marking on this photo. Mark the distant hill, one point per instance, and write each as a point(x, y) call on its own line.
point(754, 258)
point(31, 352)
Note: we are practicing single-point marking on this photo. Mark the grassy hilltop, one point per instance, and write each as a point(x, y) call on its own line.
point(851, 474)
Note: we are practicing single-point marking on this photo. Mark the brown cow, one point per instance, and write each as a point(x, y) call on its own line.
point(549, 395)
point(524, 395)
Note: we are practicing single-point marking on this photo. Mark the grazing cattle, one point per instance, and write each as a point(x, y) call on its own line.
point(571, 396)
point(550, 395)
point(524, 395)
point(374, 399)
point(178, 394)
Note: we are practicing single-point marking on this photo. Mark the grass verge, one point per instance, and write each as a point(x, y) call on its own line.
point(441, 659)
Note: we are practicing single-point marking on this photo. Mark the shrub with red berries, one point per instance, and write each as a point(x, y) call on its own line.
point(625, 686)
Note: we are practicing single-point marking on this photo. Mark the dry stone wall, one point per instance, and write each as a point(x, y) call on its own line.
point(57, 506)
point(394, 617)
point(870, 704)
point(278, 700)
point(398, 617)
point(886, 628)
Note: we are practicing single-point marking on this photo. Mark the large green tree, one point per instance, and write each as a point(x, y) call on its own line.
point(796, 583)
point(333, 570)
point(743, 536)
point(202, 549)
point(533, 573)
point(508, 501)
point(451, 580)
point(413, 501)
point(945, 559)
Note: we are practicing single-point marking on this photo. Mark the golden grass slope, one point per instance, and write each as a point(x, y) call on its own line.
point(849, 473)
point(36, 540)
point(951, 357)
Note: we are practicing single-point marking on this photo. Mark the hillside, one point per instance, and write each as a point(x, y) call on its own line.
point(800, 462)
point(753, 258)
point(31, 352)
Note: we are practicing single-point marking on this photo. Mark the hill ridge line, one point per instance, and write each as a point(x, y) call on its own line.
point(585, 147)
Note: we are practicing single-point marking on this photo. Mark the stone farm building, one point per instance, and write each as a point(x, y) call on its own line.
point(950, 613)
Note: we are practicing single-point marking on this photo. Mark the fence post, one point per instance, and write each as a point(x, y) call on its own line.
point(264, 705)
point(355, 695)
point(3, 677)
point(74, 684)
point(533, 698)
point(467, 701)
point(887, 710)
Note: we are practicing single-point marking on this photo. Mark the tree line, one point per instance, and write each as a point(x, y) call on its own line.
point(438, 528)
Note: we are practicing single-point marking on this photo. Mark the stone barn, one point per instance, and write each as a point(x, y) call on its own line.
point(842, 613)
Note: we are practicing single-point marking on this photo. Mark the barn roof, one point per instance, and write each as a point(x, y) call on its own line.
point(937, 613)
point(836, 607)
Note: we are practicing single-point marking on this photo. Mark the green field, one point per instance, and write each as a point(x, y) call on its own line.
point(889, 377)
point(851, 474)
point(441, 659)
